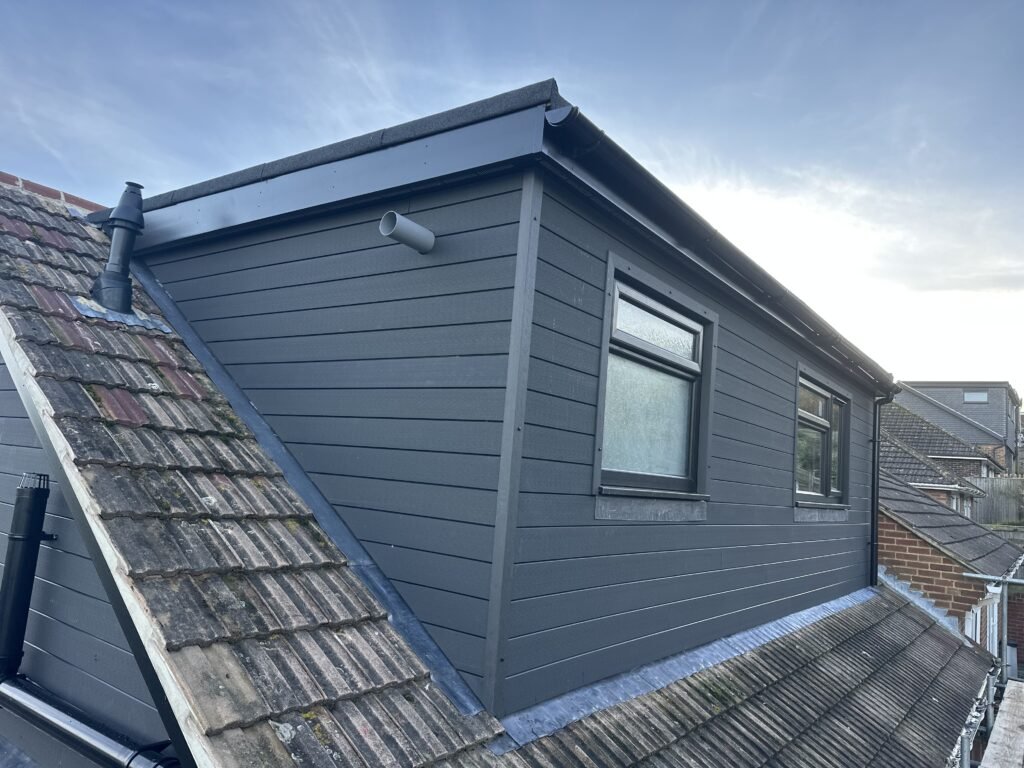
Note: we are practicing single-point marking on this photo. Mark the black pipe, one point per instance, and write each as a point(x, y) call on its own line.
point(113, 286)
point(876, 438)
point(76, 733)
point(20, 569)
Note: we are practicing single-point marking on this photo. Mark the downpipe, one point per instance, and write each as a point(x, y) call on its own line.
point(875, 460)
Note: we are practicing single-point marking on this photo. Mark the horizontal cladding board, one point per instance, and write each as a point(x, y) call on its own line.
point(539, 476)
point(763, 391)
point(445, 502)
point(731, 426)
point(551, 379)
point(114, 665)
point(137, 720)
point(740, 471)
point(475, 339)
point(482, 437)
point(67, 531)
point(587, 541)
point(549, 646)
point(734, 340)
point(199, 252)
point(479, 307)
point(432, 534)
point(738, 449)
point(748, 491)
point(91, 615)
point(17, 431)
point(731, 402)
point(357, 249)
point(537, 685)
point(569, 289)
point(558, 413)
point(384, 257)
point(10, 404)
point(402, 403)
point(465, 651)
point(441, 372)
point(530, 615)
point(557, 445)
point(569, 321)
point(72, 571)
point(562, 253)
point(556, 348)
point(483, 274)
point(555, 576)
point(417, 566)
point(446, 609)
point(461, 470)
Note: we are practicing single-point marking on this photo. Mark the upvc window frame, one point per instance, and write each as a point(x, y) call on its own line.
point(821, 385)
point(666, 301)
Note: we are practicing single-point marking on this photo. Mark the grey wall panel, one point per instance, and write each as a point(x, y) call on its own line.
point(591, 597)
point(74, 645)
point(383, 371)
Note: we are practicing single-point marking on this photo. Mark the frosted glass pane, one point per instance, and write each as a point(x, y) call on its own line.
point(642, 324)
point(646, 419)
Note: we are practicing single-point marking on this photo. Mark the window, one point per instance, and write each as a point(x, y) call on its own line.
point(972, 625)
point(821, 440)
point(975, 395)
point(652, 394)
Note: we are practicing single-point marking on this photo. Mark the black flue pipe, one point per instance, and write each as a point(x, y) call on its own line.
point(23, 541)
point(113, 286)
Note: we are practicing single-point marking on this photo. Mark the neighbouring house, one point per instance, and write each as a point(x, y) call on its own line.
point(985, 414)
point(923, 473)
point(929, 547)
point(462, 443)
point(950, 452)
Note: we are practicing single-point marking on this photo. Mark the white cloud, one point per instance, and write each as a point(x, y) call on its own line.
point(925, 287)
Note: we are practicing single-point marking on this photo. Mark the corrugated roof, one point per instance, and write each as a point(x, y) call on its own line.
point(273, 653)
point(962, 539)
point(915, 468)
point(925, 437)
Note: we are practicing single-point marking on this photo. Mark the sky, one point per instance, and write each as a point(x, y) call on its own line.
point(869, 154)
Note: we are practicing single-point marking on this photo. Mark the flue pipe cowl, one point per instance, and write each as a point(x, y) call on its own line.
point(113, 287)
point(406, 231)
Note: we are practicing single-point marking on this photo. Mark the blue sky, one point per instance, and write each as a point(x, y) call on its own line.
point(858, 150)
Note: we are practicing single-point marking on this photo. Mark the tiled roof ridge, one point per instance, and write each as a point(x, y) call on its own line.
point(249, 612)
point(48, 192)
point(933, 465)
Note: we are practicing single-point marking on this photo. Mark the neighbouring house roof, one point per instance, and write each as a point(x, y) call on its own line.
point(917, 469)
point(925, 437)
point(273, 653)
point(969, 385)
point(970, 544)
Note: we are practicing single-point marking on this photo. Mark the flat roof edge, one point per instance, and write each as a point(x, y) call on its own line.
point(541, 93)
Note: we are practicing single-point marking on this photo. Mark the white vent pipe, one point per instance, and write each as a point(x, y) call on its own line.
point(406, 231)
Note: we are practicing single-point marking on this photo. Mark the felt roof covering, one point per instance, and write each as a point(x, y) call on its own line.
point(272, 652)
point(965, 541)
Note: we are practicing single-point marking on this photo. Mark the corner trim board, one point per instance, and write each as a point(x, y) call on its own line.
point(510, 463)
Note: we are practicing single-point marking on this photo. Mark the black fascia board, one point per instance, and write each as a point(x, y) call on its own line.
point(470, 148)
point(577, 147)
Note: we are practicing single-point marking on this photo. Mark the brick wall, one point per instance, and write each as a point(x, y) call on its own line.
point(997, 452)
point(912, 560)
point(940, 496)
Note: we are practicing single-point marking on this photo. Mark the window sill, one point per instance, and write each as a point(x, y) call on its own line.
point(808, 511)
point(651, 493)
point(642, 505)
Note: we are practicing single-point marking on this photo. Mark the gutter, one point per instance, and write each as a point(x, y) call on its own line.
point(583, 150)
